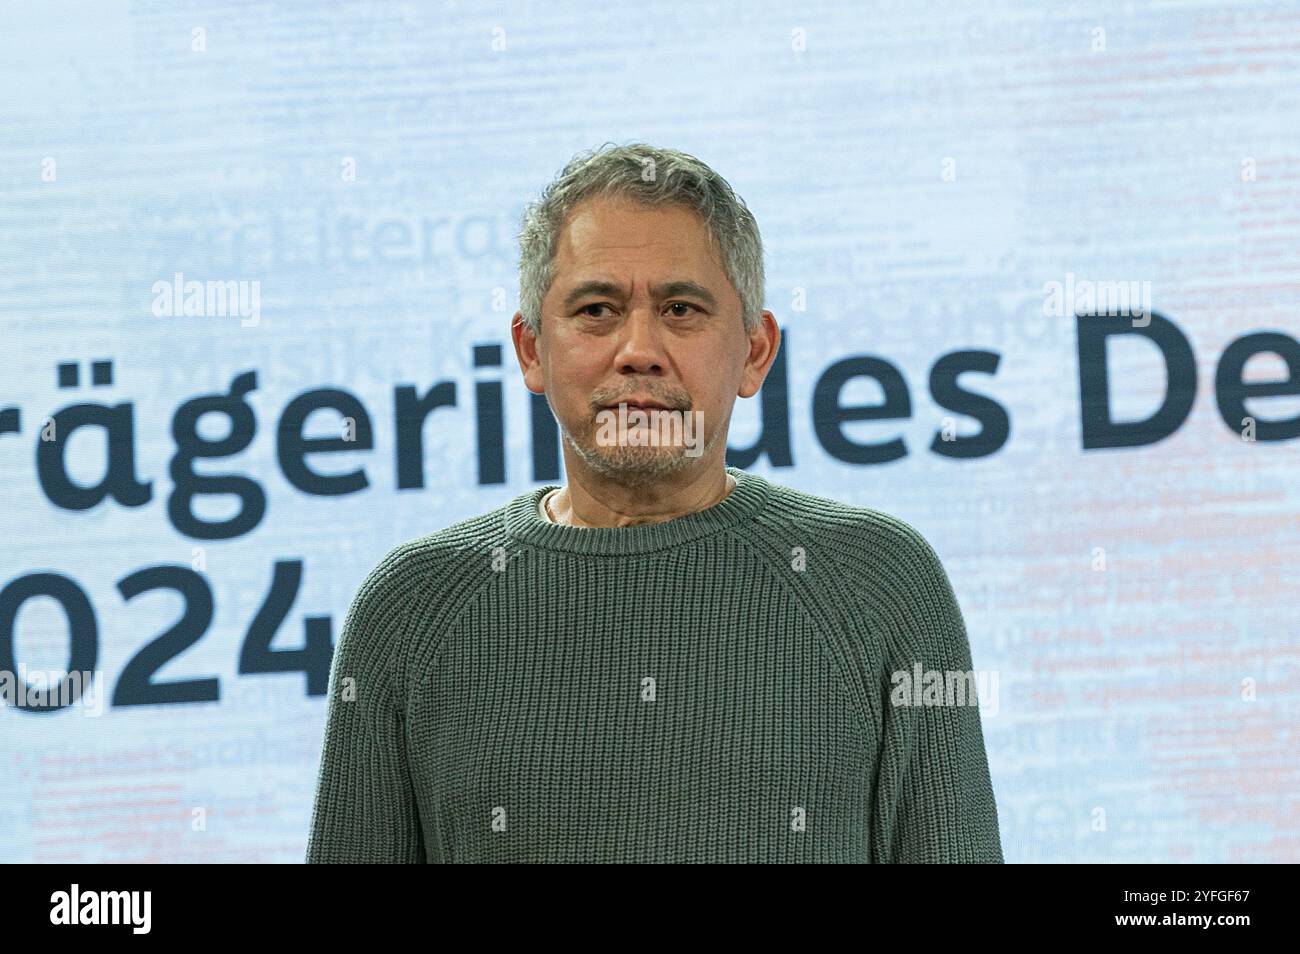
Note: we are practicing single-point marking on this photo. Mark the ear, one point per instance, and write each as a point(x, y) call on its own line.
point(528, 354)
point(764, 341)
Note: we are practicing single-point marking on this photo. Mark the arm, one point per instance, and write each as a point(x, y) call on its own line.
point(933, 799)
point(365, 808)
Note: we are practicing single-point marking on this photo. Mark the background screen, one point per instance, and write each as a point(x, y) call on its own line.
point(950, 197)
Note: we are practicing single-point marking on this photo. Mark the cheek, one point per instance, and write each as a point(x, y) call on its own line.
point(567, 368)
point(717, 406)
point(579, 362)
point(572, 387)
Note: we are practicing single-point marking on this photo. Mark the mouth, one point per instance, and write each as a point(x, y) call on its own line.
point(637, 406)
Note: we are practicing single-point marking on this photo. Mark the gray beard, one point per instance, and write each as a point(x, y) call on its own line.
point(640, 466)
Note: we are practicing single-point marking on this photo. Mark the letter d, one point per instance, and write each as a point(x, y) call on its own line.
point(1094, 381)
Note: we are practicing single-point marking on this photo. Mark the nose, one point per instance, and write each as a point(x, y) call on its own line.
point(640, 350)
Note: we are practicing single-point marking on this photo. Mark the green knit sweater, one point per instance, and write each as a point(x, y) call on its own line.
point(714, 688)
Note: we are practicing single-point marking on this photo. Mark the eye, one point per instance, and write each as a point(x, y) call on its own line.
point(586, 309)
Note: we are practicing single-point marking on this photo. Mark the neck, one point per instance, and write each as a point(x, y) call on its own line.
point(588, 502)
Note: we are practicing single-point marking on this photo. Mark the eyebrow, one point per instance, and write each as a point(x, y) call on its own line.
point(687, 289)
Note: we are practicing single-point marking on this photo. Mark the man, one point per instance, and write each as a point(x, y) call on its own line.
point(666, 659)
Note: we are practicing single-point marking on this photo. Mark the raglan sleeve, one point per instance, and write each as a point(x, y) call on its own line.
point(933, 799)
point(365, 809)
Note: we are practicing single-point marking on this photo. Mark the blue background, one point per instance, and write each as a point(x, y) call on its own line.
point(919, 172)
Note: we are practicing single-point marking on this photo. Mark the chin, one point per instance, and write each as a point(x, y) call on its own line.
point(636, 465)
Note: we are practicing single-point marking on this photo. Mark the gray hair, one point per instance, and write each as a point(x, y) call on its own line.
point(652, 176)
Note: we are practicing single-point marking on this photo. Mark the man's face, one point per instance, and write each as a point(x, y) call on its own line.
point(640, 309)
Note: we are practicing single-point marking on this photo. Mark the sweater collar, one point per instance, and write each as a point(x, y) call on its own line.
point(526, 525)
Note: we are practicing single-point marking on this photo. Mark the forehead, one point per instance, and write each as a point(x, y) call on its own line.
point(615, 231)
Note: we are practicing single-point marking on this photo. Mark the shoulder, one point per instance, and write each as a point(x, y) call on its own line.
point(863, 541)
point(415, 585)
point(884, 574)
point(424, 561)
point(880, 574)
